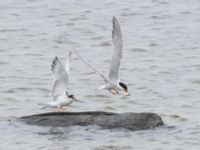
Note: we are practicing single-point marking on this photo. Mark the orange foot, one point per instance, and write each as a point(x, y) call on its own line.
point(113, 92)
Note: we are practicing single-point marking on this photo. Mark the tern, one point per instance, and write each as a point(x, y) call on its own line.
point(112, 83)
point(59, 95)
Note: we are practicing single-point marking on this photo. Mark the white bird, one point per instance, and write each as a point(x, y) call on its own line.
point(60, 76)
point(112, 83)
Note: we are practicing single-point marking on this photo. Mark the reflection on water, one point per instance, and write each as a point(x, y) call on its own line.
point(160, 64)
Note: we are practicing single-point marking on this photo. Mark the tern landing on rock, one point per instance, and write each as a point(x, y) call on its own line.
point(112, 83)
point(60, 76)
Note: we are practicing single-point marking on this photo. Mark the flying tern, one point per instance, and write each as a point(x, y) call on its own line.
point(59, 95)
point(112, 82)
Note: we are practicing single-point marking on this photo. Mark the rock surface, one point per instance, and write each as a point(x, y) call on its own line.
point(108, 120)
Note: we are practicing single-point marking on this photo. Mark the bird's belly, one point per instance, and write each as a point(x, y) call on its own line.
point(52, 104)
point(112, 87)
point(57, 103)
point(64, 103)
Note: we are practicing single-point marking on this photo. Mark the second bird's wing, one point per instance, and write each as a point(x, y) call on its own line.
point(116, 52)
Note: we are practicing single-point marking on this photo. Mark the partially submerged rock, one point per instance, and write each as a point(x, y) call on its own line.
point(132, 121)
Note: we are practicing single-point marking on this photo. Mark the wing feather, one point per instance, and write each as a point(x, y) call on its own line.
point(116, 52)
point(60, 77)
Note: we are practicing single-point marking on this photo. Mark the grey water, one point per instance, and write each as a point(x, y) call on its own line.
point(161, 65)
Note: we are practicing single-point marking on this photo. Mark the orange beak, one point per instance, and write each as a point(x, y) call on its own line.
point(75, 99)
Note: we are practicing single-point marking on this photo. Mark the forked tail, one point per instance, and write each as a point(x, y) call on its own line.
point(42, 106)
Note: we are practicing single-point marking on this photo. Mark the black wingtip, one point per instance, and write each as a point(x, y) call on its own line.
point(114, 20)
point(54, 63)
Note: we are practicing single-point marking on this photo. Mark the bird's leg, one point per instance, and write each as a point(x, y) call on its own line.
point(60, 109)
point(63, 109)
point(113, 92)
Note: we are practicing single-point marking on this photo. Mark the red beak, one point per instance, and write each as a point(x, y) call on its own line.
point(126, 92)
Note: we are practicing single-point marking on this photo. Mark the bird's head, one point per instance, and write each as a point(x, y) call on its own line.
point(124, 87)
point(71, 96)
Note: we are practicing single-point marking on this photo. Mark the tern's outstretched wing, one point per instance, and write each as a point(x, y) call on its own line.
point(116, 52)
point(93, 67)
point(60, 77)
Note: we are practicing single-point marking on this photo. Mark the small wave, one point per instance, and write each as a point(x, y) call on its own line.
point(105, 44)
point(177, 117)
point(109, 108)
point(97, 96)
point(52, 131)
point(12, 30)
point(153, 44)
point(138, 50)
point(132, 14)
point(70, 24)
point(97, 38)
point(32, 54)
point(186, 12)
point(78, 18)
point(195, 81)
point(163, 2)
point(3, 63)
point(111, 147)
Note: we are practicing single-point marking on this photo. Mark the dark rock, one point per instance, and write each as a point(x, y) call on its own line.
point(132, 121)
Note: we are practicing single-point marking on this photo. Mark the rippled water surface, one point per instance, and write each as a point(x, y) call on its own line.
point(161, 64)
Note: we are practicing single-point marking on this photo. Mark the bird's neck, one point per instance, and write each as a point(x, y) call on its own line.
point(70, 101)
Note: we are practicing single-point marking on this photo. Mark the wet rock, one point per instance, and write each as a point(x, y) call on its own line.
point(108, 120)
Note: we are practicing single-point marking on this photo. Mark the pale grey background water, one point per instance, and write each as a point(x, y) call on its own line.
point(161, 65)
